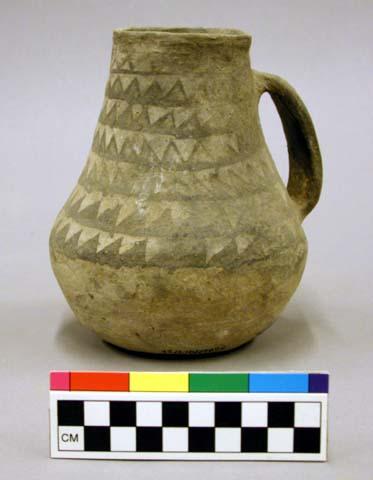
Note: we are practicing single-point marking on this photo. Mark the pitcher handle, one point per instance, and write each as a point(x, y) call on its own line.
point(305, 165)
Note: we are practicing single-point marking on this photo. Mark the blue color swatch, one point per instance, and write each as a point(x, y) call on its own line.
point(279, 382)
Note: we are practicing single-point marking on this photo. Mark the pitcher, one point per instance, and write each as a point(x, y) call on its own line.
point(180, 236)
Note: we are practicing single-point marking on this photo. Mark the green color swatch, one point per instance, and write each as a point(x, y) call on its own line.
point(218, 382)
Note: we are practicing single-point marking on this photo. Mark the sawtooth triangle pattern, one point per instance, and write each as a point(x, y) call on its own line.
point(151, 175)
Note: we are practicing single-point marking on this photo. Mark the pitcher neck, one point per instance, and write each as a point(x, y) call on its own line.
point(166, 50)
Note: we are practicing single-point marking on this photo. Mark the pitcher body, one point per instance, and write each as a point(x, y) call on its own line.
point(180, 236)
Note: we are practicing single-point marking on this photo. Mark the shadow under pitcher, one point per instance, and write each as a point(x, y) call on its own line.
point(180, 236)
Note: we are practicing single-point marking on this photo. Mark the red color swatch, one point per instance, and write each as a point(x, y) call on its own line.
point(99, 381)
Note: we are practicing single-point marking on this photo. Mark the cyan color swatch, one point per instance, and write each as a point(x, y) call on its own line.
point(279, 382)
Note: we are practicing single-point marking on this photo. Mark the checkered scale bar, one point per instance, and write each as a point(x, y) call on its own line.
point(125, 425)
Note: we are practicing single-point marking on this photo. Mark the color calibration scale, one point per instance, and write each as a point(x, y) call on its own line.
point(189, 416)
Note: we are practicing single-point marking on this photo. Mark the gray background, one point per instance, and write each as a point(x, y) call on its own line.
point(54, 64)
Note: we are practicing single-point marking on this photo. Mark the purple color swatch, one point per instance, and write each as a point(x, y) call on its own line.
point(318, 383)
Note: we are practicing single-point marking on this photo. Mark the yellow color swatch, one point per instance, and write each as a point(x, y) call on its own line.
point(158, 382)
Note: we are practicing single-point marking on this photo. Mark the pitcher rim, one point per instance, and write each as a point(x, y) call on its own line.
point(184, 34)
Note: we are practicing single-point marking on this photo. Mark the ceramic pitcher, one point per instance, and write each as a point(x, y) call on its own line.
point(180, 236)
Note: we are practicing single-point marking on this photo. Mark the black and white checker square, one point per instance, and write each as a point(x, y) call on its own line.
point(189, 426)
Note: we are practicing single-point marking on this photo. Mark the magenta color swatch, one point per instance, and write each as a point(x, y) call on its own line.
point(60, 380)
